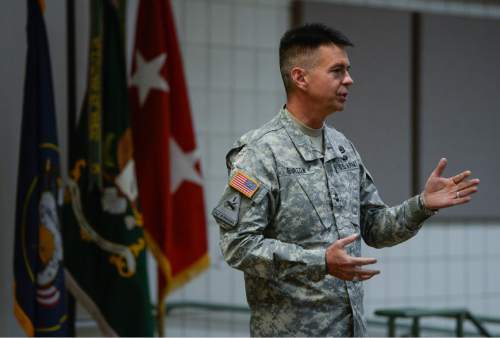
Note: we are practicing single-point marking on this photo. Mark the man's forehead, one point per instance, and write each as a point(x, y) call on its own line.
point(332, 54)
point(327, 55)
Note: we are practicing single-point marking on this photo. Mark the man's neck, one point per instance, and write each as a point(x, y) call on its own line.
point(305, 129)
point(305, 113)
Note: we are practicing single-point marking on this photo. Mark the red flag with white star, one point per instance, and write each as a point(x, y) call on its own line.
point(167, 166)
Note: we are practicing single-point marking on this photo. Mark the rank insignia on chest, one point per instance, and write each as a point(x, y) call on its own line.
point(244, 184)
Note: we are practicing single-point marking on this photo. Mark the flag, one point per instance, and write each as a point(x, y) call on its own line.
point(103, 231)
point(40, 296)
point(168, 166)
point(244, 184)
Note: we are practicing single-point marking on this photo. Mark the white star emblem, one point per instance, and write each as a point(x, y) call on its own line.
point(147, 76)
point(182, 166)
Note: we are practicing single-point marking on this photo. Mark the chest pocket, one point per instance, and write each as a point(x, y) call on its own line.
point(345, 184)
point(306, 209)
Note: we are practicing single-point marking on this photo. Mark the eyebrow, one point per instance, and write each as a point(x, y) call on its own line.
point(343, 65)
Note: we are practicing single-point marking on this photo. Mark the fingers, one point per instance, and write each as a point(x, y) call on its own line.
point(354, 271)
point(440, 168)
point(464, 193)
point(346, 267)
point(367, 274)
point(347, 240)
point(468, 191)
point(358, 274)
point(461, 200)
point(359, 261)
point(460, 177)
point(466, 184)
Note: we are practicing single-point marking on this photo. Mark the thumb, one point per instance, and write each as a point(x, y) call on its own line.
point(347, 240)
point(440, 168)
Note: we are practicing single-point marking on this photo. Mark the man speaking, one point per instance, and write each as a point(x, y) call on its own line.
point(299, 197)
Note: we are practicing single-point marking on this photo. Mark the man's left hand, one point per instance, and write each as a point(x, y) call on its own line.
point(441, 192)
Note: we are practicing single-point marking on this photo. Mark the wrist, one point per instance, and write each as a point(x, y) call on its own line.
point(423, 204)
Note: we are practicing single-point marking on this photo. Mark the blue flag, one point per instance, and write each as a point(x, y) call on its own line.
point(39, 291)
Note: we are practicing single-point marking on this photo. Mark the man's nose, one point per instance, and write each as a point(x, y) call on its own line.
point(347, 79)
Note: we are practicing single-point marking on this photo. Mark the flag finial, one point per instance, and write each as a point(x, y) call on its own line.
point(41, 4)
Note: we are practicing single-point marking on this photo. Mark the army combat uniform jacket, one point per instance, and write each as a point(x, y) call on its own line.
point(285, 203)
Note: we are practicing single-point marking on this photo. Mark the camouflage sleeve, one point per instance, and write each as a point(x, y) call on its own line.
point(381, 225)
point(245, 221)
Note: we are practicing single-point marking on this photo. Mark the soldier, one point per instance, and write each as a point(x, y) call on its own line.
point(299, 197)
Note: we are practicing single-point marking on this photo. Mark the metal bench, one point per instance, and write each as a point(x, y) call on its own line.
point(460, 315)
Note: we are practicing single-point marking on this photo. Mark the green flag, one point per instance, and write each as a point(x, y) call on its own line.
point(105, 250)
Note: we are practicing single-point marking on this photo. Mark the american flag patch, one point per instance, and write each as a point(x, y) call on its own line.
point(244, 184)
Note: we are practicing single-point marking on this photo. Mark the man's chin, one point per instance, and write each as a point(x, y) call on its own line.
point(338, 109)
point(335, 108)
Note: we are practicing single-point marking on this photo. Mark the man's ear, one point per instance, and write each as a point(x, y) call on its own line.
point(298, 76)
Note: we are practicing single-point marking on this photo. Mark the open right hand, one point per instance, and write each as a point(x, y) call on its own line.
point(345, 267)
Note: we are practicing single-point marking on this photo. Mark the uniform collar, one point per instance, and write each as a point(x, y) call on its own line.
point(331, 144)
point(304, 144)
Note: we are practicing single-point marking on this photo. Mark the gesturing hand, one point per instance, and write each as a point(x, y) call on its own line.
point(441, 192)
point(346, 267)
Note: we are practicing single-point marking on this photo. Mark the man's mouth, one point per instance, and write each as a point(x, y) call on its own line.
point(343, 97)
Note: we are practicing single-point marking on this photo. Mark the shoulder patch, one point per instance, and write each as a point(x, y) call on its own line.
point(228, 210)
point(244, 184)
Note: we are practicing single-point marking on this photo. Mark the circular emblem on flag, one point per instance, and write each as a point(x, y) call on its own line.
point(49, 250)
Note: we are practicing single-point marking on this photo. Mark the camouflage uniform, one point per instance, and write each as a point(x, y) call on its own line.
point(304, 202)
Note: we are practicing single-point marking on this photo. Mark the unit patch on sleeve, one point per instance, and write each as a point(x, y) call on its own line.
point(244, 184)
point(228, 210)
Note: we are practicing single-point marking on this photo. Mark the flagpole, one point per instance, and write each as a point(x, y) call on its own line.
point(71, 121)
point(160, 320)
point(71, 77)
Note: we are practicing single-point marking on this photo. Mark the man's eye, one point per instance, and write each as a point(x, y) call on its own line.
point(338, 71)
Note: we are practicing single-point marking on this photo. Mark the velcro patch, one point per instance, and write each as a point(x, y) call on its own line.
point(339, 166)
point(244, 184)
point(228, 210)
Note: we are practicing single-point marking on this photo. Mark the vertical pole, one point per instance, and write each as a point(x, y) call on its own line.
point(415, 101)
point(460, 325)
point(71, 77)
point(415, 327)
point(391, 323)
point(71, 122)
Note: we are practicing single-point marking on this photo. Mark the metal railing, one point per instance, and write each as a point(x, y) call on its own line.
point(416, 314)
